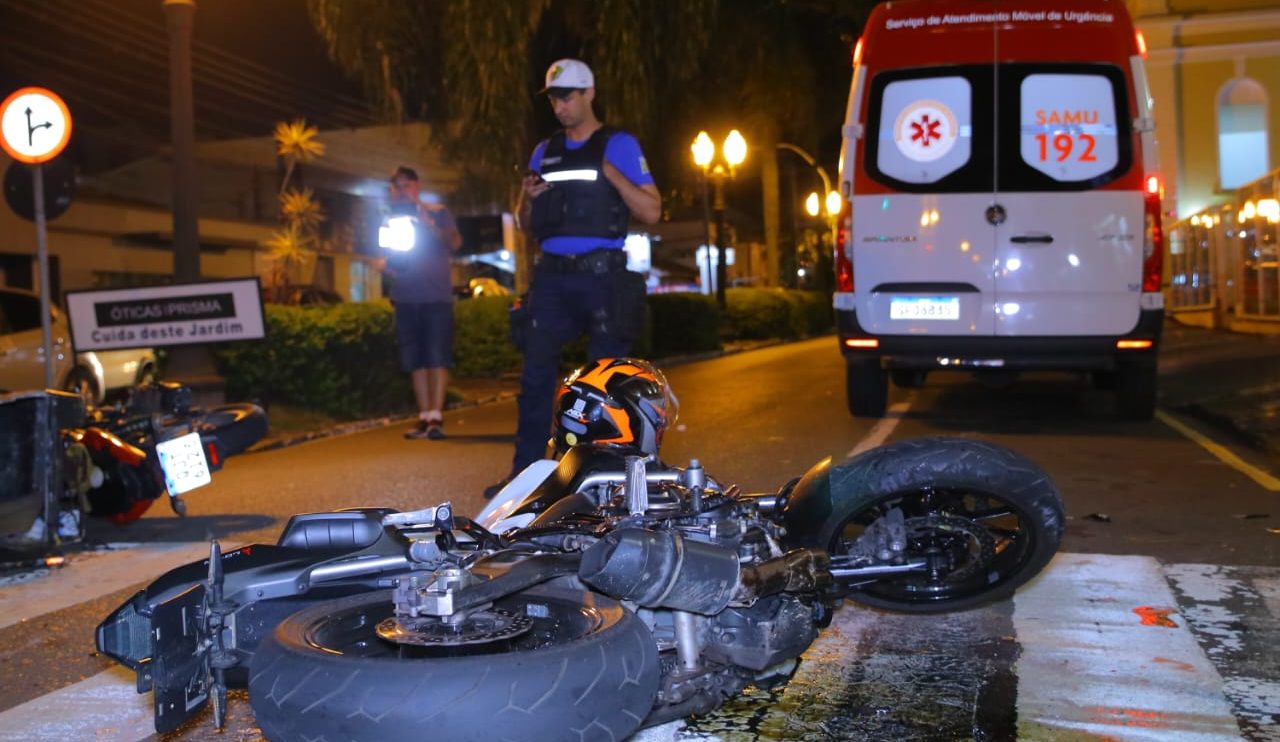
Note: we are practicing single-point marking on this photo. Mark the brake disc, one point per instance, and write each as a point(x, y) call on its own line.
point(929, 528)
point(482, 627)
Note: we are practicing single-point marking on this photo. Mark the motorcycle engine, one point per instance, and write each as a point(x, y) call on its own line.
point(731, 610)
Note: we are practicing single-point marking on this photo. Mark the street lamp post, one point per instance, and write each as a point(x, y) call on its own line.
point(832, 198)
point(733, 153)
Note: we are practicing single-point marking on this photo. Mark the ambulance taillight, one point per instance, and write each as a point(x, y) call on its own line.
point(843, 252)
point(1153, 237)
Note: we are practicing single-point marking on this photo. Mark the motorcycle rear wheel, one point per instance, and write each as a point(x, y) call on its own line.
point(588, 670)
point(238, 426)
point(987, 518)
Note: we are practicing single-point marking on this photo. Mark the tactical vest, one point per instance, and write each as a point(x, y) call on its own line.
point(581, 201)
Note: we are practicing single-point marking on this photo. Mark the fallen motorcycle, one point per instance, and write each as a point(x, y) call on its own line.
point(157, 442)
point(598, 593)
point(60, 462)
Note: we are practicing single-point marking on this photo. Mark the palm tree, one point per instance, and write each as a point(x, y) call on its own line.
point(296, 142)
point(291, 247)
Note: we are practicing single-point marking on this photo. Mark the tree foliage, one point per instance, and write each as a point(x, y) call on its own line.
point(664, 68)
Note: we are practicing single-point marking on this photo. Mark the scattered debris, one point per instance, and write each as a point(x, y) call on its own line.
point(1251, 516)
point(1099, 517)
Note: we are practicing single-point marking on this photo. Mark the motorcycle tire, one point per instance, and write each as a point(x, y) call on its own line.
point(589, 672)
point(990, 517)
point(238, 426)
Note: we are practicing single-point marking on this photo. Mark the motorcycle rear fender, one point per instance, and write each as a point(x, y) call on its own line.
point(253, 574)
point(808, 506)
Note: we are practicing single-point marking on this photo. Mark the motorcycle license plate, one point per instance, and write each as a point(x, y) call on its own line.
point(925, 307)
point(183, 462)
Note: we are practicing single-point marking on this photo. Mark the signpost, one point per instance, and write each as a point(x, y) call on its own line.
point(36, 126)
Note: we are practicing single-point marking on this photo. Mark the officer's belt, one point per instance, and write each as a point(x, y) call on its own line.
point(601, 260)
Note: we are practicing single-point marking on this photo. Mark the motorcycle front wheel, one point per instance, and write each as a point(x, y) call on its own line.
point(586, 670)
point(983, 518)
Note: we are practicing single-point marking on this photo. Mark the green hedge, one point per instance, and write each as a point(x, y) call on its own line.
point(683, 323)
point(342, 360)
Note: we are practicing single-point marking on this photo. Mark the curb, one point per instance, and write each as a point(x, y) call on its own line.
point(359, 426)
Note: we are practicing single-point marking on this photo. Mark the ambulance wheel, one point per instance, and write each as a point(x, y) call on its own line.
point(866, 387)
point(1136, 388)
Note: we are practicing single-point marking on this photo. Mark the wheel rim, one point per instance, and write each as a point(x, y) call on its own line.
point(973, 541)
point(352, 630)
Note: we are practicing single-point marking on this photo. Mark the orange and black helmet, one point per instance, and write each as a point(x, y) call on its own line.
point(622, 403)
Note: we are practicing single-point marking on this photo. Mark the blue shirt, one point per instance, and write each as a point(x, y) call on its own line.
point(623, 152)
point(422, 275)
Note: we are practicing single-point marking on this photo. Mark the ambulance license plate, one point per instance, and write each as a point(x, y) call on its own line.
point(925, 307)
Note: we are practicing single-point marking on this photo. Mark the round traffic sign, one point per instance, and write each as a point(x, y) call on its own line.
point(35, 124)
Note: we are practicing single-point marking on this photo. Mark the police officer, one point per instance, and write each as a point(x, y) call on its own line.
point(584, 185)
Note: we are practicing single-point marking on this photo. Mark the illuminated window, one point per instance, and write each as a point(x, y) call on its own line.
point(1242, 133)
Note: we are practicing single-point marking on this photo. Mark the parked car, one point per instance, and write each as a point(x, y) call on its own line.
point(92, 374)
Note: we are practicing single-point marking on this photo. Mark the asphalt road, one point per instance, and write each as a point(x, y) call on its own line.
point(1150, 500)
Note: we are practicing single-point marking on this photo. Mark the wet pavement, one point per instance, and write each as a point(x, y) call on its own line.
point(1230, 381)
point(1227, 380)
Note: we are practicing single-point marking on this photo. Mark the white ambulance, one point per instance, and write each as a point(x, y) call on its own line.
point(1003, 199)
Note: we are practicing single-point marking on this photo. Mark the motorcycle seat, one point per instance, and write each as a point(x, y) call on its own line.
point(343, 529)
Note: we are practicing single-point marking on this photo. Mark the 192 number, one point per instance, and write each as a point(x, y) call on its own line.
point(1064, 144)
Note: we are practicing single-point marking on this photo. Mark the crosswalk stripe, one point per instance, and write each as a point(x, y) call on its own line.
point(103, 708)
point(93, 574)
point(1106, 653)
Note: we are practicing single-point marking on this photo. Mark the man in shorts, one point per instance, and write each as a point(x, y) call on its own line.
point(418, 261)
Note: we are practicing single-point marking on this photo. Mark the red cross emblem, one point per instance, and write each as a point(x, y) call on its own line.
point(925, 130)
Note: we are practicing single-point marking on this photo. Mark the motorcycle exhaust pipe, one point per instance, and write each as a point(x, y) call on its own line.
point(662, 569)
point(799, 570)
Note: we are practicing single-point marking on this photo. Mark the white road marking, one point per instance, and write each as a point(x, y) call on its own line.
point(1090, 665)
point(92, 574)
point(1223, 453)
point(881, 430)
point(103, 708)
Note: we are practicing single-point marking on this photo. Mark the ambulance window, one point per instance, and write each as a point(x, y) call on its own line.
point(1069, 126)
point(1072, 129)
point(924, 128)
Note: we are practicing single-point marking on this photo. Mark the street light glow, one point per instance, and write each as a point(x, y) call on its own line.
point(811, 203)
point(735, 148)
point(703, 150)
point(834, 203)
